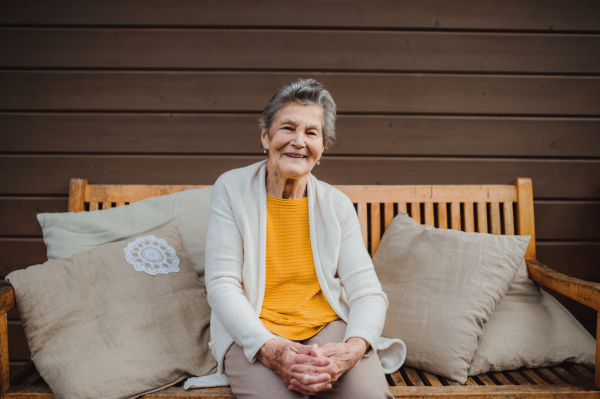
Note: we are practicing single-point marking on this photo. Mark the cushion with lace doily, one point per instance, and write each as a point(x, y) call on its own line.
point(68, 233)
point(116, 321)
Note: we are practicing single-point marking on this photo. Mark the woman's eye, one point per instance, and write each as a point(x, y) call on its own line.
point(288, 128)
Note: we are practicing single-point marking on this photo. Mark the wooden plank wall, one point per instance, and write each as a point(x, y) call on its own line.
point(429, 92)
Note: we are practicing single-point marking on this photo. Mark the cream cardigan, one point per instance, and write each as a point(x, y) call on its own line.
point(236, 269)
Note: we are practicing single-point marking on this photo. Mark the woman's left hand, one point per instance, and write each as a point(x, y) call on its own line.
point(343, 357)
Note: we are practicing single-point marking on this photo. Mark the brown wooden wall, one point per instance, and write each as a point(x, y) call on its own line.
point(428, 91)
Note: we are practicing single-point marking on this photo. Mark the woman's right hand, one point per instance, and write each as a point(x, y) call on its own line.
point(281, 356)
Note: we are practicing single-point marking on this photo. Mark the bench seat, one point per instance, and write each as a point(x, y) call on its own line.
point(566, 380)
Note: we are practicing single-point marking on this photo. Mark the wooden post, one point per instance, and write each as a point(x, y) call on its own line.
point(4, 371)
point(525, 218)
point(597, 372)
point(76, 194)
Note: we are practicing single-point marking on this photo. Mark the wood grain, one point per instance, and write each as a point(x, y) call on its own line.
point(250, 91)
point(18, 215)
point(76, 192)
point(4, 368)
point(18, 253)
point(17, 343)
point(538, 15)
point(577, 220)
point(144, 133)
point(584, 292)
point(571, 258)
point(278, 49)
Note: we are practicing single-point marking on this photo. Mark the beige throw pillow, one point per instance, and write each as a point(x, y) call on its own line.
point(97, 327)
point(529, 328)
point(66, 234)
point(442, 286)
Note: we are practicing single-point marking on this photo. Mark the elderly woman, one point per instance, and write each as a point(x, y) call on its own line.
point(288, 277)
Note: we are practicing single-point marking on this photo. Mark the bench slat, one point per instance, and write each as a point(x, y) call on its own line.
point(580, 372)
point(402, 207)
point(471, 381)
point(388, 210)
point(565, 375)
point(469, 217)
point(442, 215)
point(549, 375)
point(509, 225)
point(415, 211)
point(429, 215)
point(430, 193)
point(482, 225)
point(375, 226)
point(455, 216)
point(398, 379)
point(532, 375)
point(519, 379)
point(432, 379)
point(495, 218)
point(501, 378)
point(485, 379)
point(413, 377)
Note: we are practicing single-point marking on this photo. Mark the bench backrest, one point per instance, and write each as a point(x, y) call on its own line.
point(496, 209)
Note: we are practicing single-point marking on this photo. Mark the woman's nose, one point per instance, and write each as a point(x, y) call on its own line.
point(298, 139)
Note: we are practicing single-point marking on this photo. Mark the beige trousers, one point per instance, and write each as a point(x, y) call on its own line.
point(254, 380)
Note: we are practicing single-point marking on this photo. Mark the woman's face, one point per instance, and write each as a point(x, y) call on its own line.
point(295, 141)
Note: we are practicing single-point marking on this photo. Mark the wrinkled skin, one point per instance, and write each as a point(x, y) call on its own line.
point(310, 369)
point(280, 357)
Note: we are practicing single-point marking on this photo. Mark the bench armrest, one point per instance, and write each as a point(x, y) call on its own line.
point(7, 298)
point(582, 291)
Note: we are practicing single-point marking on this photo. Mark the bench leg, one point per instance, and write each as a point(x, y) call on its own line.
point(4, 371)
point(597, 379)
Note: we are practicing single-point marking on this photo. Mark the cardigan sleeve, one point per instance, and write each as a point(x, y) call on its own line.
point(224, 259)
point(366, 299)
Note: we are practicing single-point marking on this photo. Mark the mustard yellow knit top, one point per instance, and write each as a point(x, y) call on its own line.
point(294, 306)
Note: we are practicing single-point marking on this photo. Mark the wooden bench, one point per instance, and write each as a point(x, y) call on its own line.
point(498, 209)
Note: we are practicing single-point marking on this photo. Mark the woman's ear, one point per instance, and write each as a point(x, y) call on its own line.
point(264, 138)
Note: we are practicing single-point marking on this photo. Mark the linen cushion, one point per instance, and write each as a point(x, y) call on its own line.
point(529, 328)
point(96, 327)
point(66, 234)
point(442, 286)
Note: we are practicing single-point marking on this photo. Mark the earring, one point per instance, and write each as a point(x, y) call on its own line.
point(265, 151)
point(318, 162)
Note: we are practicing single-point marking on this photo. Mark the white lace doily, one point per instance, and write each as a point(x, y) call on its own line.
point(151, 255)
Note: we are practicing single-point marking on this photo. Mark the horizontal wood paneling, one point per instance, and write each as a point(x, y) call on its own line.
point(296, 50)
point(541, 15)
point(551, 178)
point(19, 253)
point(18, 215)
point(357, 134)
point(576, 259)
point(250, 91)
point(555, 220)
point(559, 220)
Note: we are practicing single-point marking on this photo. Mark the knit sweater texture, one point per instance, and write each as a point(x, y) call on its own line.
point(294, 306)
point(235, 254)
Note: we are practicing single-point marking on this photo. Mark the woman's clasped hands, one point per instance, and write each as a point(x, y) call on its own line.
point(308, 369)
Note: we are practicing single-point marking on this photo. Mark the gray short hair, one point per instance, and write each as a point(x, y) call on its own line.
point(305, 92)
